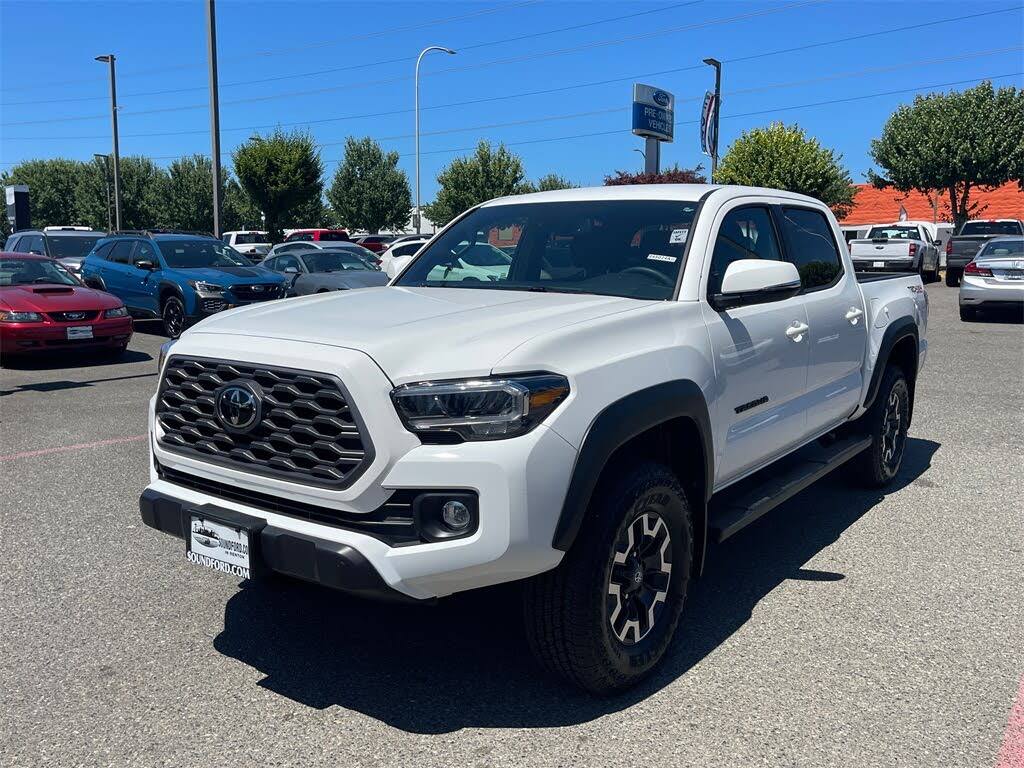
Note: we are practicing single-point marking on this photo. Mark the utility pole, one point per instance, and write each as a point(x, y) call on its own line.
point(416, 109)
point(718, 111)
point(109, 59)
point(106, 182)
point(211, 38)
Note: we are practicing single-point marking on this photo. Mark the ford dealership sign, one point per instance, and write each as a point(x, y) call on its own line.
point(653, 114)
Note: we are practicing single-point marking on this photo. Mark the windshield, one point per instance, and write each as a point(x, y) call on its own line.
point(196, 254)
point(34, 271)
point(895, 233)
point(70, 246)
point(334, 261)
point(991, 228)
point(629, 248)
point(996, 249)
point(250, 238)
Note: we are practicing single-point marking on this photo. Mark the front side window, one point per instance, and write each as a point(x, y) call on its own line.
point(811, 247)
point(197, 254)
point(745, 233)
point(628, 248)
point(145, 252)
point(32, 244)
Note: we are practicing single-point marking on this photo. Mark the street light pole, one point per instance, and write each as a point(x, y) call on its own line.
point(416, 109)
point(109, 59)
point(718, 111)
point(106, 182)
point(211, 38)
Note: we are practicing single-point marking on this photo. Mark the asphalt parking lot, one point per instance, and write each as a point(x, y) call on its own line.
point(848, 628)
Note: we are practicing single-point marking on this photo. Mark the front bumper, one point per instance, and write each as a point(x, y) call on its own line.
point(978, 290)
point(520, 483)
point(28, 338)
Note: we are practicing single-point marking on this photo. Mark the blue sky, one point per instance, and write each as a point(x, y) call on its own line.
point(571, 50)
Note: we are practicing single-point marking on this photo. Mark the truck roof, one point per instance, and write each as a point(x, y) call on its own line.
point(682, 192)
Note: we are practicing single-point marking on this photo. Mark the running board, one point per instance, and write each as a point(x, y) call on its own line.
point(739, 505)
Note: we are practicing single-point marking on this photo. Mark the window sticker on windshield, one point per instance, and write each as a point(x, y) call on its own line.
point(660, 257)
point(678, 236)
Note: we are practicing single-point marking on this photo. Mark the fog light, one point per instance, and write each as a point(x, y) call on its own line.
point(456, 515)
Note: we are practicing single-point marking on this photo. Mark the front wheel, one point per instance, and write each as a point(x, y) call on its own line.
point(886, 422)
point(605, 616)
point(173, 314)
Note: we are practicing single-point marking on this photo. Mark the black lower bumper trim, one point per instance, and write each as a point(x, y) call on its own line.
point(334, 565)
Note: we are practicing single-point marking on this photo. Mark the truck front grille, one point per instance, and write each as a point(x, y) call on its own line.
point(306, 430)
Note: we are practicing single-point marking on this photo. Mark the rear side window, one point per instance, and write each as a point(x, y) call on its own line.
point(746, 233)
point(12, 244)
point(811, 247)
point(104, 250)
point(121, 252)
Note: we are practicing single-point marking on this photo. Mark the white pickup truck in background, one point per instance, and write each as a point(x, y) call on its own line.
point(658, 367)
point(904, 246)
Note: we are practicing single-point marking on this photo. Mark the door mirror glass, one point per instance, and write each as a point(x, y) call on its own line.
point(756, 281)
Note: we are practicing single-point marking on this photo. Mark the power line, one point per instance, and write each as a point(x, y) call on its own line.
point(299, 49)
point(770, 111)
point(756, 89)
point(367, 65)
point(465, 68)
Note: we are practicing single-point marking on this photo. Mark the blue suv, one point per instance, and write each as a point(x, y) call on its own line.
point(179, 278)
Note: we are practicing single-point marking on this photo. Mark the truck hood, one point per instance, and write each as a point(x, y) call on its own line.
point(418, 333)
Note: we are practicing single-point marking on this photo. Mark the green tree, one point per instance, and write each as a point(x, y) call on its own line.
point(553, 181)
point(469, 181)
point(190, 193)
point(953, 142)
point(51, 185)
point(144, 194)
point(782, 157)
point(369, 191)
point(280, 172)
point(238, 209)
point(94, 195)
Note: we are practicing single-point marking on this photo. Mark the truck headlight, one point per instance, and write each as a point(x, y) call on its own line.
point(478, 409)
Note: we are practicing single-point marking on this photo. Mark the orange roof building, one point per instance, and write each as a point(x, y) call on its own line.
point(881, 206)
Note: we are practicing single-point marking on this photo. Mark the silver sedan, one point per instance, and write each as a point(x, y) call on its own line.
point(995, 278)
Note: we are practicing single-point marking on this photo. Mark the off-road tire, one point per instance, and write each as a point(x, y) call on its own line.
point(568, 610)
point(879, 464)
point(172, 312)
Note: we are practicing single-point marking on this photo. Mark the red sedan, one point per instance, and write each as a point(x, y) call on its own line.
point(43, 307)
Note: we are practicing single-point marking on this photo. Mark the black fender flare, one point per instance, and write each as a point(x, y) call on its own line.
point(166, 287)
point(898, 330)
point(619, 423)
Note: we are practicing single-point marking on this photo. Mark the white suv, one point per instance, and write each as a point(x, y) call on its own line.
point(657, 367)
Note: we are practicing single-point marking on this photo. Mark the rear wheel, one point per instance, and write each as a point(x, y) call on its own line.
point(886, 422)
point(952, 278)
point(605, 616)
point(173, 314)
point(968, 314)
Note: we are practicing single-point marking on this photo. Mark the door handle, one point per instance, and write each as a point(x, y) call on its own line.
point(797, 330)
point(853, 315)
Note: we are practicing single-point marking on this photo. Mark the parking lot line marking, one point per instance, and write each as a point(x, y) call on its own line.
point(1011, 754)
point(80, 446)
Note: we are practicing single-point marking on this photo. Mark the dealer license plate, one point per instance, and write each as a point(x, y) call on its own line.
point(218, 546)
point(878, 264)
point(80, 332)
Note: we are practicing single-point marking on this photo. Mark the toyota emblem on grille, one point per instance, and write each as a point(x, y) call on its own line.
point(238, 408)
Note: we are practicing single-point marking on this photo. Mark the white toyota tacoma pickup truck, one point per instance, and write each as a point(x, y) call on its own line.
point(660, 366)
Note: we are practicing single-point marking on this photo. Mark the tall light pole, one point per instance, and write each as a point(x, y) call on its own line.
point(106, 182)
point(109, 59)
point(425, 51)
point(211, 39)
point(718, 111)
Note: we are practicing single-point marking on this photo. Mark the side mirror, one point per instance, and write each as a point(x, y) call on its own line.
point(756, 281)
point(291, 270)
point(145, 264)
point(937, 243)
